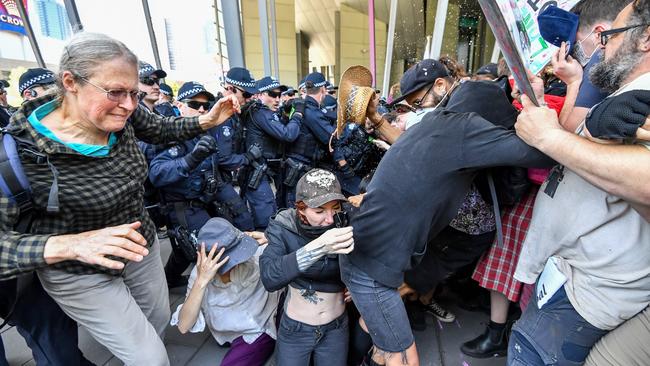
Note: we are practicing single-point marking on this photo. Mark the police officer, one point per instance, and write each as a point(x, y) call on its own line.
point(265, 130)
point(186, 176)
point(360, 154)
point(312, 145)
point(36, 82)
point(165, 105)
point(149, 84)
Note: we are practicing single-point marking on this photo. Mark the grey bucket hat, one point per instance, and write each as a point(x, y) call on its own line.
point(239, 246)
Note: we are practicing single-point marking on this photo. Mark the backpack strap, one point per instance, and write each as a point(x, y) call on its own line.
point(497, 210)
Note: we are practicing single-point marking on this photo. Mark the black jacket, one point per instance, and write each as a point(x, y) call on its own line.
point(278, 264)
point(420, 184)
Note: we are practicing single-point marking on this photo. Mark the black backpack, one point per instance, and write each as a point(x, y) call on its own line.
point(15, 186)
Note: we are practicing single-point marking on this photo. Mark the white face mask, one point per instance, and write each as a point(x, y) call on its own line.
point(414, 118)
point(579, 52)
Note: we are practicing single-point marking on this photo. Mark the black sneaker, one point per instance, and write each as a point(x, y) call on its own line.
point(439, 312)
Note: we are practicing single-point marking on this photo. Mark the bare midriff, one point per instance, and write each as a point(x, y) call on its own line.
point(317, 308)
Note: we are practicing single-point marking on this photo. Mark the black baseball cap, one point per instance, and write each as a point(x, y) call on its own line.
point(420, 75)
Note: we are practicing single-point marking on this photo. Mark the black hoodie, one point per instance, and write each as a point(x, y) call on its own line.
point(278, 264)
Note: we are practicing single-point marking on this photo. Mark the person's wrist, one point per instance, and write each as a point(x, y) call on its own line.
point(57, 249)
point(549, 138)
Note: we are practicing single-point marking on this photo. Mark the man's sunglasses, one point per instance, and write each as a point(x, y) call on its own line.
point(402, 108)
point(290, 94)
point(606, 35)
point(149, 81)
point(3, 92)
point(197, 105)
point(235, 89)
point(273, 94)
point(331, 92)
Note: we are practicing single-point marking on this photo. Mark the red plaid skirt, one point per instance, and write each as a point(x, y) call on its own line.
point(496, 268)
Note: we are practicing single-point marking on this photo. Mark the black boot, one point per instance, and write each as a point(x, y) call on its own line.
point(492, 343)
point(416, 314)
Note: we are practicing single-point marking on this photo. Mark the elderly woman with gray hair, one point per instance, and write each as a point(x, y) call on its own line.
point(91, 240)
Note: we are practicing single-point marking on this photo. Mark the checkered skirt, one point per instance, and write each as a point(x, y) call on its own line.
point(496, 268)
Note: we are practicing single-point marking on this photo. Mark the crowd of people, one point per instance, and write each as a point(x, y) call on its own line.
point(319, 224)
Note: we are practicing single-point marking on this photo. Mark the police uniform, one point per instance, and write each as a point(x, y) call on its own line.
point(360, 154)
point(166, 108)
point(265, 129)
point(311, 147)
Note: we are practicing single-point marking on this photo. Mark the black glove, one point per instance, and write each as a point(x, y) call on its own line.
point(206, 146)
point(620, 116)
point(347, 171)
point(299, 106)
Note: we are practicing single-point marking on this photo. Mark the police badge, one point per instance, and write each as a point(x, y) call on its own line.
point(173, 151)
point(226, 131)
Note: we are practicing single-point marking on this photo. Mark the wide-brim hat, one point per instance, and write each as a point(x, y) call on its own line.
point(354, 94)
point(239, 246)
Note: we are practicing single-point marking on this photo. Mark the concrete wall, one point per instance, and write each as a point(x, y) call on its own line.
point(286, 31)
point(353, 42)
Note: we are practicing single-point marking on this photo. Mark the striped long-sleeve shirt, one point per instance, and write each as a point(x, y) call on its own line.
point(94, 192)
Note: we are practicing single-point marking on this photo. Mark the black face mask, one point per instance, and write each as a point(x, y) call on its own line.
point(311, 232)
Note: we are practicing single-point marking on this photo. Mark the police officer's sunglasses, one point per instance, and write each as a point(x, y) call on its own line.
point(234, 90)
point(606, 35)
point(273, 94)
point(149, 81)
point(3, 92)
point(194, 104)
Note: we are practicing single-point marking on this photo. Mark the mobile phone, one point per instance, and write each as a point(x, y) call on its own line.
point(341, 219)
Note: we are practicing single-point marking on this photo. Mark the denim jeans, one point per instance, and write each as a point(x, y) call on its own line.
point(381, 308)
point(553, 335)
point(325, 345)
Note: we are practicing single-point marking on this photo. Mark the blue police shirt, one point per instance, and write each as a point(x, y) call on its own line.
point(225, 134)
point(169, 171)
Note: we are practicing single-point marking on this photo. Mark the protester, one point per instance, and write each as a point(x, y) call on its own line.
point(597, 286)
point(464, 143)
point(302, 255)
point(91, 188)
point(595, 17)
point(225, 293)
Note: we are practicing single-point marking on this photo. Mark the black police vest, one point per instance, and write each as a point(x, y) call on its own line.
point(256, 135)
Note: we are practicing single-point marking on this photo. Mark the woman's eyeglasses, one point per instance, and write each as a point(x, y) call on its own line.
point(116, 95)
point(606, 35)
point(194, 104)
point(150, 81)
point(235, 89)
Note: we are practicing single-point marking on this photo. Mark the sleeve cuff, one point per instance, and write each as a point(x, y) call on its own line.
point(30, 252)
point(290, 266)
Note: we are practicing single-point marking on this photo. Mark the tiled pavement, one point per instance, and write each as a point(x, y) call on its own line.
point(437, 345)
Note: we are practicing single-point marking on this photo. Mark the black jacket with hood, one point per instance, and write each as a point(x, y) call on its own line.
point(278, 264)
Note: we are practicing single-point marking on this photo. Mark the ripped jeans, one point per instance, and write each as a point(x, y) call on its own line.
point(553, 335)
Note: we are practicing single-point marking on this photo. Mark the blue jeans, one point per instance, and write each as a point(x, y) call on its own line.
point(325, 345)
point(48, 331)
point(262, 203)
point(380, 307)
point(553, 335)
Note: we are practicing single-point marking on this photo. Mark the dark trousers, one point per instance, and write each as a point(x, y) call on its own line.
point(241, 217)
point(324, 345)
point(554, 335)
point(448, 252)
point(48, 331)
point(195, 218)
point(262, 203)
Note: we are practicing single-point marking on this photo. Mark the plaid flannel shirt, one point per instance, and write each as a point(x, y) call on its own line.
point(94, 192)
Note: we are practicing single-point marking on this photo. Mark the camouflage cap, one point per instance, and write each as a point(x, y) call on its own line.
point(318, 187)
